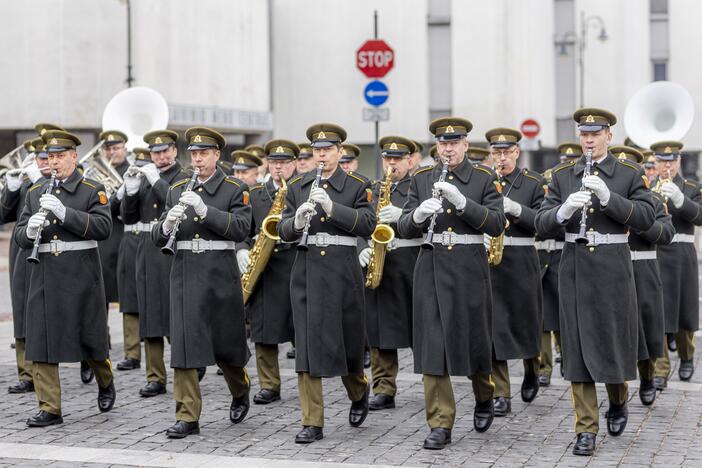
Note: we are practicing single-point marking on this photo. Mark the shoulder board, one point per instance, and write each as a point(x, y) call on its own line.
point(485, 170)
point(87, 183)
point(565, 165)
point(37, 185)
point(356, 177)
point(179, 183)
point(232, 181)
point(628, 164)
point(526, 174)
point(296, 179)
point(690, 183)
point(255, 187)
point(424, 169)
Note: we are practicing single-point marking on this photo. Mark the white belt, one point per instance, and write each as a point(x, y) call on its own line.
point(402, 243)
point(451, 238)
point(139, 227)
point(685, 238)
point(518, 241)
point(549, 245)
point(322, 239)
point(643, 255)
point(596, 238)
point(203, 245)
point(59, 246)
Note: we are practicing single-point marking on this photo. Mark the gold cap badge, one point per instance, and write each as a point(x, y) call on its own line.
point(501, 138)
point(158, 140)
point(569, 151)
point(197, 139)
point(590, 119)
point(449, 129)
point(321, 135)
point(279, 149)
point(393, 146)
point(53, 141)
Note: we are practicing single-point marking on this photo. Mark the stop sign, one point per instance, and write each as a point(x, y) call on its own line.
point(375, 58)
point(530, 128)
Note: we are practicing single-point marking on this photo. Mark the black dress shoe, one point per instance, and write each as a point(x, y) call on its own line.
point(647, 392)
point(483, 415)
point(585, 444)
point(23, 386)
point(220, 371)
point(106, 397)
point(128, 364)
point(182, 429)
point(239, 408)
point(672, 345)
point(660, 383)
point(617, 417)
point(43, 419)
point(687, 368)
point(266, 396)
point(544, 380)
point(437, 439)
point(86, 373)
point(359, 410)
point(13, 345)
point(530, 387)
point(152, 389)
point(366, 359)
point(291, 354)
point(309, 434)
point(503, 406)
point(381, 401)
point(201, 373)
point(558, 359)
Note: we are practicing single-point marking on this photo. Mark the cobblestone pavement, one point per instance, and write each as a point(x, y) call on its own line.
point(538, 434)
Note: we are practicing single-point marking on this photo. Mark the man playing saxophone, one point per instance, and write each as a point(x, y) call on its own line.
point(268, 307)
point(389, 304)
point(516, 280)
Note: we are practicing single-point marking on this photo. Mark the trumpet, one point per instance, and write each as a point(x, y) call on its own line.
point(169, 249)
point(428, 239)
point(34, 256)
point(659, 185)
point(302, 245)
point(582, 238)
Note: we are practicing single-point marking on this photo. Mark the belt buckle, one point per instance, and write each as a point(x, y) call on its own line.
point(550, 245)
point(447, 239)
point(323, 239)
point(54, 247)
point(198, 246)
point(135, 228)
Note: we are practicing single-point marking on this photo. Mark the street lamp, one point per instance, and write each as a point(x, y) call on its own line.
point(130, 78)
point(571, 38)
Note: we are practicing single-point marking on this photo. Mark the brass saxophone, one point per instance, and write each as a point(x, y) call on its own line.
point(382, 235)
point(263, 247)
point(496, 247)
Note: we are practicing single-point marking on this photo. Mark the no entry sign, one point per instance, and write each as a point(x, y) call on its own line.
point(530, 128)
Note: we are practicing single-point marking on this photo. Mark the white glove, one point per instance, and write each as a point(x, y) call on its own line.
point(452, 194)
point(131, 183)
point(174, 214)
point(193, 199)
point(51, 203)
point(242, 258)
point(33, 172)
point(575, 201)
point(319, 195)
point(303, 211)
point(37, 220)
point(512, 207)
point(13, 180)
point(427, 208)
point(674, 194)
point(120, 192)
point(364, 257)
point(29, 159)
point(599, 187)
point(151, 173)
point(389, 214)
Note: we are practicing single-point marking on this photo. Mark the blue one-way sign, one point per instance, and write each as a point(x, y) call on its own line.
point(376, 93)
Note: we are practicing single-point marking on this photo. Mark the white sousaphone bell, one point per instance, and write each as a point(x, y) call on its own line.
point(136, 112)
point(659, 111)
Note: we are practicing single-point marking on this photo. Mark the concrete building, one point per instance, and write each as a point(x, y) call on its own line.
point(257, 69)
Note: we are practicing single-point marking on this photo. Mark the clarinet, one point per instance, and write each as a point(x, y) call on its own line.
point(582, 238)
point(168, 248)
point(429, 239)
point(302, 245)
point(34, 256)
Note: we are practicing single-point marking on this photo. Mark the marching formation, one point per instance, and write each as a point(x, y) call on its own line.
point(288, 243)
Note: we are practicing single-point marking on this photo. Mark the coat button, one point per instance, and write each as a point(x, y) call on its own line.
point(195, 218)
point(197, 236)
point(155, 205)
point(596, 173)
point(55, 237)
point(275, 250)
point(591, 210)
point(200, 189)
point(54, 221)
point(546, 266)
point(592, 249)
point(504, 183)
point(591, 229)
point(325, 186)
point(322, 253)
point(450, 229)
point(448, 210)
point(450, 247)
point(450, 177)
point(322, 219)
point(57, 192)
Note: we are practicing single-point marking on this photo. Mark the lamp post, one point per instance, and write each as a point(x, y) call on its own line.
point(571, 38)
point(130, 78)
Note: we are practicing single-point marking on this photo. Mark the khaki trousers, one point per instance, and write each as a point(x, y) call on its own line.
point(132, 344)
point(500, 374)
point(312, 400)
point(24, 367)
point(685, 340)
point(47, 383)
point(384, 368)
point(584, 394)
point(267, 366)
point(186, 389)
point(155, 365)
point(439, 403)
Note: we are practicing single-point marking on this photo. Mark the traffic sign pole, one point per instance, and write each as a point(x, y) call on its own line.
point(376, 147)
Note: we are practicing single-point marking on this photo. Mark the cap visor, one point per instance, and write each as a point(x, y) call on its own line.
point(394, 154)
point(57, 149)
point(241, 167)
point(280, 157)
point(667, 157)
point(591, 128)
point(304, 155)
point(322, 143)
point(450, 137)
point(501, 145)
point(157, 148)
point(42, 155)
point(200, 147)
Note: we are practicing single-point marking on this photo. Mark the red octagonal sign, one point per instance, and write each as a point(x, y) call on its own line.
point(375, 58)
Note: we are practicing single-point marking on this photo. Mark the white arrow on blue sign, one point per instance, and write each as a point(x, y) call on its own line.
point(376, 93)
